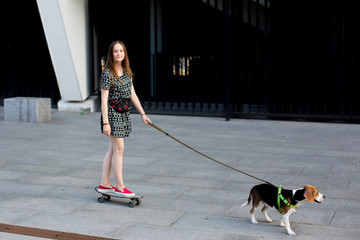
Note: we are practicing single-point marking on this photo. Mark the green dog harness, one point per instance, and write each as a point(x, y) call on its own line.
point(281, 197)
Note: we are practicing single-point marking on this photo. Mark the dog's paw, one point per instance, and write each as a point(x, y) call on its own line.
point(282, 224)
point(269, 220)
point(254, 222)
point(291, 233)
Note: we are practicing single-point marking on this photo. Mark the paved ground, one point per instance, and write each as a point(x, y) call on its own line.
point(48, 172)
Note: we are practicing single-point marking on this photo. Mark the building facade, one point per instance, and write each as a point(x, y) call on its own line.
point(229, 58)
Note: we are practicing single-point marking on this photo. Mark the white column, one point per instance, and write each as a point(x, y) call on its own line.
point(65, 24)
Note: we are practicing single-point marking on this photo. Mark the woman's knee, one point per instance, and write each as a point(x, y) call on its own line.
point(118, 151)
point(117, 146)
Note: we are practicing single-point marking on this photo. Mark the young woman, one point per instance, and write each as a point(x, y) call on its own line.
point(116, 83)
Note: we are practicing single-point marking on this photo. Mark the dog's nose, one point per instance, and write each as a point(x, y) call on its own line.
point(324, 197)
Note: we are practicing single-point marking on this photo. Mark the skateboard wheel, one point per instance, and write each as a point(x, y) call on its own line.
point(137, 201)
point(131, 204)
point(101, 199)
point(108, 197)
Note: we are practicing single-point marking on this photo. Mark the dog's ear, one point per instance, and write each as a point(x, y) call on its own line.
point(310, 193)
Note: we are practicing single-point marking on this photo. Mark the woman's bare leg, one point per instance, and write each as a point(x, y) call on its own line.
point(117, 160)
point(106, 169)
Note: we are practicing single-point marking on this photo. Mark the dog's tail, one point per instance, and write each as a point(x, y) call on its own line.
point(248, 201)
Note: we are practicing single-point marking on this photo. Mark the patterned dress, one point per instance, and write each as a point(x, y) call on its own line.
point(119, 122)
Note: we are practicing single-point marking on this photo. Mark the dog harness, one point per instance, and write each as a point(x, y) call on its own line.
point(281, 197)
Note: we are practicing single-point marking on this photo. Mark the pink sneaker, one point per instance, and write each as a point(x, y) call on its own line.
point(103, 189)
point(124, 193)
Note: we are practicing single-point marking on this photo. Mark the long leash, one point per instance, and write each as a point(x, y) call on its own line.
point(235, 169)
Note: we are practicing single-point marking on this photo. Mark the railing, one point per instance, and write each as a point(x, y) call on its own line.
point(303, 71)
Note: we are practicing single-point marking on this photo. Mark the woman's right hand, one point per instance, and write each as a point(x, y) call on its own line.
point(107, 130)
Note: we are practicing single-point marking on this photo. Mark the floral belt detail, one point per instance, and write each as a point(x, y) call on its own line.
point(121, 105)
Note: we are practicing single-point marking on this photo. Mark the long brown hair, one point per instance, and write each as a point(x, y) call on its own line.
point(125, 64)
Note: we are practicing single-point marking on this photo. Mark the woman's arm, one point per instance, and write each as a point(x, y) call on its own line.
point(136, 102)
point(104, 111)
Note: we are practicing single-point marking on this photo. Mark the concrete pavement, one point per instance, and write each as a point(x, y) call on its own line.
point(48, 172)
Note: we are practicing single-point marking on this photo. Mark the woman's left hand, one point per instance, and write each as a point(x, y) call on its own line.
point(146, 119)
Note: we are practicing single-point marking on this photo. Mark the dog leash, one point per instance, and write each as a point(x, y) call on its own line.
point(235, 169)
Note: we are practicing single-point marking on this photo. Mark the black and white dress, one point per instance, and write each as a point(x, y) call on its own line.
point(120, 123)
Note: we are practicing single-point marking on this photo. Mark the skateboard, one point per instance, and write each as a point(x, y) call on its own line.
point(134, 200)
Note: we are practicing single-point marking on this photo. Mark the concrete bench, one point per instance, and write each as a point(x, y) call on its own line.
point(27, 109)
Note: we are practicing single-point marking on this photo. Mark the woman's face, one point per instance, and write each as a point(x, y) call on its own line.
point(118, 53)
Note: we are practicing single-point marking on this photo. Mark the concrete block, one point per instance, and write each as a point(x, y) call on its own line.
point(27, 109)
point(89, 105)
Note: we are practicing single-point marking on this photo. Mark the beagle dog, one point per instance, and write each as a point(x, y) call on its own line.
point(284, 200)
